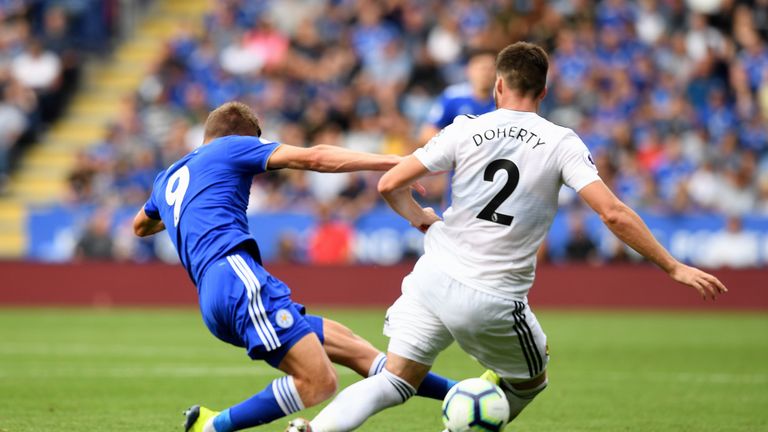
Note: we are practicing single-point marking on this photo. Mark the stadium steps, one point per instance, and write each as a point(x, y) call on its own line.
point(12, 233)
point(42, 174)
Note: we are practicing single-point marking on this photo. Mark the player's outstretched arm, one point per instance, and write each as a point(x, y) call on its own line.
point(327, 158)
point(144, 225)
point(395, 188)
point(630, 228)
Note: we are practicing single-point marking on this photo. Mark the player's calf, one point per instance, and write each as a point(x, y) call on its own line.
point(313, 375)
point(393, 386)
point(318, 387)
point(346, 348)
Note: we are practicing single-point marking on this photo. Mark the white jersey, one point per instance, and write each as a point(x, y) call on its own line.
point(508, 170)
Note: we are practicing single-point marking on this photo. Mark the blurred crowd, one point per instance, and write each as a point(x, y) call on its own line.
point(41, 48)
point(671, 96)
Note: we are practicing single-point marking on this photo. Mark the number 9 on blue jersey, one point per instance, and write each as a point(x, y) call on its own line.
point(175, 190)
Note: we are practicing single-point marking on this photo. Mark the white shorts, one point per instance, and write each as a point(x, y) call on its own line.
point(435, 309)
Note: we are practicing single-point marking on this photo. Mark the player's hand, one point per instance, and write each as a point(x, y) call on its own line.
point(428, 217)
point(706, 284)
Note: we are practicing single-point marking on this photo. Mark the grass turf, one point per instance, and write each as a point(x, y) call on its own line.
point(135, 370)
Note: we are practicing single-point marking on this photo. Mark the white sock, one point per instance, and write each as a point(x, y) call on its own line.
point(361, 400)
point(209, 425)
point(378, 364)
point(519, 399)
point(287, 395)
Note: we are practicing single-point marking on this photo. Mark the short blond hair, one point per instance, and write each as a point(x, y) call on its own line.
point(232, 118)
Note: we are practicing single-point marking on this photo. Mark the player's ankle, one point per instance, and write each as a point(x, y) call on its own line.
point(220, 423)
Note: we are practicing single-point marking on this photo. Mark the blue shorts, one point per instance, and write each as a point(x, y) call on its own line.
point(242, 304)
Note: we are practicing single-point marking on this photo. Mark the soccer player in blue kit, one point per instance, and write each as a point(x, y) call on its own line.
point(473, 97)
point(201, 201)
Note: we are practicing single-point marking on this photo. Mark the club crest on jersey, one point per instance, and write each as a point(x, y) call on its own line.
point(284, 319)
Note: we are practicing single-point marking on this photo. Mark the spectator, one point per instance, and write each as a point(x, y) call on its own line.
point(762, 207)
point(40, 54)
point(579, 247)
point(732, 248)
point(95, 244)
point(55, 38)
point(14, 123)
point(331, 240)
point(287, 249)
point(40, 70)
point(671, 101)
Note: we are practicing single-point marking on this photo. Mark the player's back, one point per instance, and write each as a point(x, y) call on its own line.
point(509, 167)
point(202, 199)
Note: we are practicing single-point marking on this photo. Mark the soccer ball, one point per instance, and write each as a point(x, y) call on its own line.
point(475, 405)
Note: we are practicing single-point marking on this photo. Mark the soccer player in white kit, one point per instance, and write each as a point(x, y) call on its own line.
point(472, 282)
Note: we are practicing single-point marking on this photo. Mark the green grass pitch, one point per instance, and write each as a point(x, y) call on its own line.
point(135, 370)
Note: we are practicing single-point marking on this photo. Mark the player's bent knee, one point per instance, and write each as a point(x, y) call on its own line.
point(318, 387)
point(328, 384)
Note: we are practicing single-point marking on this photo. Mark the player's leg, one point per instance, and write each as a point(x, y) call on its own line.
point(356, 403)
point(242, 304)
point(313, 374)
point(348, 349)
point(510, 343)
point(416, 338)
point(521, 393)
point(310, 380)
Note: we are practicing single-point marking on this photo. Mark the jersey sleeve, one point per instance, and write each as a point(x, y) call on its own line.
point(151, 210)
point(439, 154)
point(150, 207)
point(250, 154)
point(577, 168)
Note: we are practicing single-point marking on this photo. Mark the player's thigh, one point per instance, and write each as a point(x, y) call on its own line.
point(502, 335)
point(263, 316)
point(313, 375)
point(224, 303)
point(306, 360)
point(348, 349)
point(415, 331)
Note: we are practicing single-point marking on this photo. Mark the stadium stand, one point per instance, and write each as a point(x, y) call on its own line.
point(81, 35)
point(672, 102)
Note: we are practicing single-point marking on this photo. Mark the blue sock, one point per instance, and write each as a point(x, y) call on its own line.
point(223, 422)
point(434, 386)
point(279, 399)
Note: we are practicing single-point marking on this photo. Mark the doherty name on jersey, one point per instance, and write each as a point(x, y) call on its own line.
point(514, 132)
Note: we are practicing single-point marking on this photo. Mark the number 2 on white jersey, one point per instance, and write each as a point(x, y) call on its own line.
point(489, 212)
point(175, 195)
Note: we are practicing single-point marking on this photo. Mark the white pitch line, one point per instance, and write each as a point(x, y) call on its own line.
point(91, 350)
point(169, 371)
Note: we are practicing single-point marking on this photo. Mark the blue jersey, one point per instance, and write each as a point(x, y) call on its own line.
point(202, 199)
point(457, 100)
